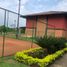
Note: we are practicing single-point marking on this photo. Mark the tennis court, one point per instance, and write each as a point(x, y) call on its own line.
point(13, 45)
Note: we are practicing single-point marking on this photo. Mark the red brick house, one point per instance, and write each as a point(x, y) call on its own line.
point(52, 23)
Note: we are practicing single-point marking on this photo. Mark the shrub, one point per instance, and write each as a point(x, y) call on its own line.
point(65, 50)
point(38, 53)
point(66, 44)
point(52, 44)
point(24, 58)
point(60, 43)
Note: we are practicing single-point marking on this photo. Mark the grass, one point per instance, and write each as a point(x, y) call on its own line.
point(10, 62)
point(20, 38)
point(5, 64)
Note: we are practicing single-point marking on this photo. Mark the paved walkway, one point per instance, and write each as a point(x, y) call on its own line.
point(62, 62)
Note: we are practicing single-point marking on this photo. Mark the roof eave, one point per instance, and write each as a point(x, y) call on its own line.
point(45, 14)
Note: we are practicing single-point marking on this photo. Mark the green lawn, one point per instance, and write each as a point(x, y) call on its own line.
point(20, 38)
point(10, 62)
point(5, 64)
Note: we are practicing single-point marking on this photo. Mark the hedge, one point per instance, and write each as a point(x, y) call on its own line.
point(23, 57)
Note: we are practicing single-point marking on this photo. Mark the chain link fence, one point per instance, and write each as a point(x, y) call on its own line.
point(8, 29)
point(9, 45)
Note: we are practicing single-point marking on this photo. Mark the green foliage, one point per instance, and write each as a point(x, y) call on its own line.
point(52, 44)
point(23, 57)
point(38, 53)
point(5, 64)
point(66, 44)
point(2, 28)
point(23, 30)
point(65, 49)
point(9, 61)
point(6, 29)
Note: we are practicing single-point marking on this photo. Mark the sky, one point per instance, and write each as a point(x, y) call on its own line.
point(33, 6)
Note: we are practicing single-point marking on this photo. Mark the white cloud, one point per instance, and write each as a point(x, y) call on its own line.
point(61, 6)
point(4, 4)
point(24, 11)
point(13, 4)
point(24, 1)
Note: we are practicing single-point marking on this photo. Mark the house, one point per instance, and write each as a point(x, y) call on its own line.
point(52, 23)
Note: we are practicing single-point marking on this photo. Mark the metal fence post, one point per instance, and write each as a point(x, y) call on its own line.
point(32, 37)
point(32, 34)
point(7, 17)
point(46, 26)
point(36, 32)
point(4, 34)
point(17, 34)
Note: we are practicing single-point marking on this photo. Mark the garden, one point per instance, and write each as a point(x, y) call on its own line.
point(51, 48)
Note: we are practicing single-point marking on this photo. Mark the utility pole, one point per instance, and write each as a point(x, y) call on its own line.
point(17, 34)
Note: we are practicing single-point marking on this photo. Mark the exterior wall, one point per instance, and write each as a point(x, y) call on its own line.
point(31, 22)
point(29, 32)
point(57, 23)
point(65, 34)
point(65, 23)
point(50, 32)
point(30, 26)
point(57, 33)
point(57, 26)
point(41, 26)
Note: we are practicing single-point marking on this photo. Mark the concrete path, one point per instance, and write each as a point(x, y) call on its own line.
point(62, 62)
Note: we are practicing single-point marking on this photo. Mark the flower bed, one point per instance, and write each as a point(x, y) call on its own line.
point(25, 58)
